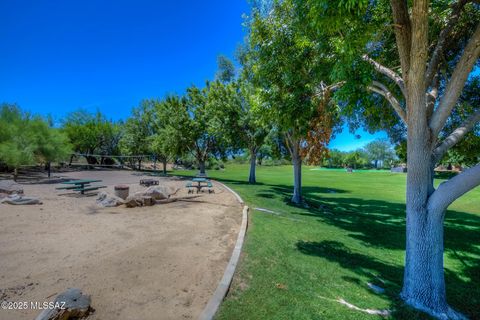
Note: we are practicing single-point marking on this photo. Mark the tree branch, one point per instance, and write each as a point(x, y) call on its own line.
point(457, 135)
point(380, 89)
point(288, 142)
point(442, 40)
point(450, 190)
point(432, 96)
point(387, 72)
point(323, 88)
point(456, 83)
point(403, 33)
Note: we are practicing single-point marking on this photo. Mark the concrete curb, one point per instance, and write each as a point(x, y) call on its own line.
point(214, 303)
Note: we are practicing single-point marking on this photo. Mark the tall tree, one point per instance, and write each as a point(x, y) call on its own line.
point(202, 119)
point(289, 67)
point(250, 129)
point(168, 140)
point(139, 130)
point(436, 46)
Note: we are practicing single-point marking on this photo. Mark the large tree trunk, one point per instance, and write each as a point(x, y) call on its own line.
point(297, 176)
point(253, 159)
point(423, 283)
point(164, 162)
point(201, 165)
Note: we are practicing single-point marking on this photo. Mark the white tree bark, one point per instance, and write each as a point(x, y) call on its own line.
point(382, 90)
point(424, 283)
point(457, 135)
point(456, 83)
point(387, 72)
point(442, 40)
point(452, 189)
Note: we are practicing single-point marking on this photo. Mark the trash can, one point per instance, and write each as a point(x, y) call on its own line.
point(121, 191)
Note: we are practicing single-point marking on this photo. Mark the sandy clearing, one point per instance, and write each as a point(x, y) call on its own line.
point(160, 262)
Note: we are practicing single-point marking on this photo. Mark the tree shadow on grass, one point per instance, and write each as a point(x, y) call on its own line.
point(462, 294)
point(381, 224)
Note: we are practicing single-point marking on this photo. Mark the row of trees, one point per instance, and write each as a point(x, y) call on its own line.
point(376, 154)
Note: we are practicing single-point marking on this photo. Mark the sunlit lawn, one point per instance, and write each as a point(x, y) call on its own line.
point(299, 261)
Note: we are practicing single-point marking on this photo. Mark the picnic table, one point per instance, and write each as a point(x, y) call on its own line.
point(199, 183)
point(148, 182)
point(81, 185)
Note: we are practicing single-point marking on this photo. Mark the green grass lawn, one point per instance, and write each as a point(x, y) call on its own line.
point(297, 262)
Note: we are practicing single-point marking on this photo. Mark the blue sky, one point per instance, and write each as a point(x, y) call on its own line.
point(59, 56)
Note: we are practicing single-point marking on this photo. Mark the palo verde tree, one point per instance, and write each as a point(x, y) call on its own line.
point(417, 56)
point(289, 68)
point(29, 140)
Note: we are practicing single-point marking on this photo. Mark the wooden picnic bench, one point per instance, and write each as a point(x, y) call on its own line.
point(80, 185)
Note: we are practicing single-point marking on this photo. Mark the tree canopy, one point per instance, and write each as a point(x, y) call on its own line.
point(92, 133)
point(291, 70)
point(27, 139)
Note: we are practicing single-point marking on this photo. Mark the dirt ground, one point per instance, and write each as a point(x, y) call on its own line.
point(160, 262)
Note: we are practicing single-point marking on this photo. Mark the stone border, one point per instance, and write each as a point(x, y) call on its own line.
point(214, 303)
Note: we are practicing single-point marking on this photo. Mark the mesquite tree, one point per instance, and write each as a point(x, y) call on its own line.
point(436, 46)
